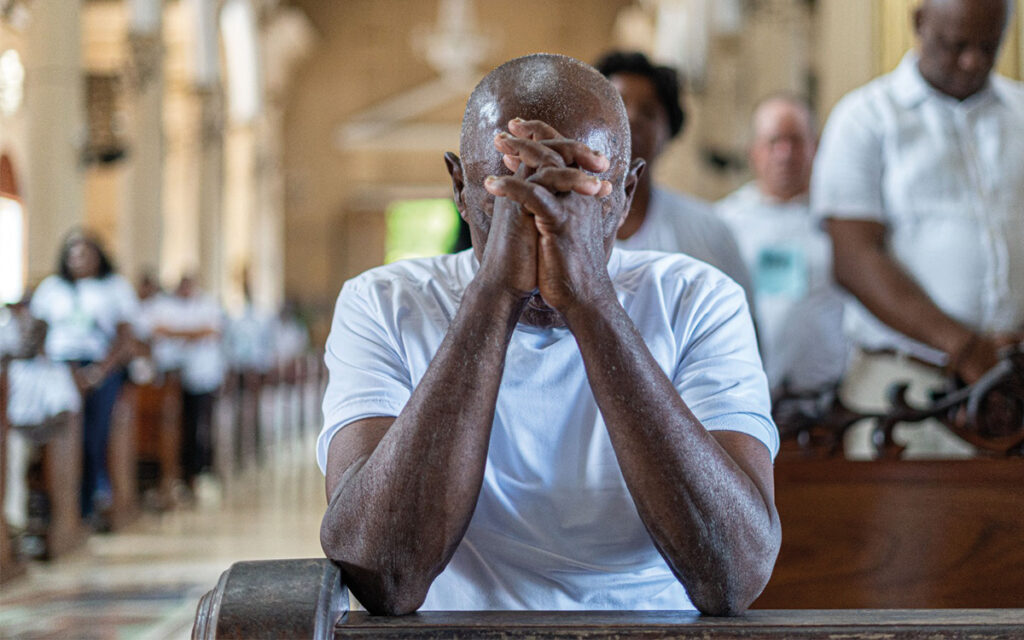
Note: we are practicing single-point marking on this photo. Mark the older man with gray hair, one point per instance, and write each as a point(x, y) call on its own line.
point(799, 310)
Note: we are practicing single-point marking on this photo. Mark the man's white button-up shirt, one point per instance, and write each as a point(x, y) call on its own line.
point(947, 179)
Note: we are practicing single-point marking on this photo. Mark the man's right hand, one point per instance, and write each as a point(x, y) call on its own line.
point(510, 256)
point(980, 353)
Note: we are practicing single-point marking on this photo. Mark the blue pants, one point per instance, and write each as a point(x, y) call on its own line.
point(97, 410)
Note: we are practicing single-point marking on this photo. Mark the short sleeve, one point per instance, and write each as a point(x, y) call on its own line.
point(732, 261)
point(719, 374)
point(847, 178)
point(367, 375)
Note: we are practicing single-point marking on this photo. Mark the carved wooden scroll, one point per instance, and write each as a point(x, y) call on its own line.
point(988, 414)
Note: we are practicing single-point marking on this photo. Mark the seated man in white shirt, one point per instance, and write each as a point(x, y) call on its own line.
point(543, 421)
point(919, 177)
point(660, 219)
point(799, 310)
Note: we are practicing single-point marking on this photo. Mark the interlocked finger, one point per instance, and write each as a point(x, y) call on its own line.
point(535, 198)
point(533, 129)
point(572, 151)
point(531, 152)
point(562, 180)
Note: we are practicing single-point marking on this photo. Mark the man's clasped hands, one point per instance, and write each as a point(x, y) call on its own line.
point(552, 222)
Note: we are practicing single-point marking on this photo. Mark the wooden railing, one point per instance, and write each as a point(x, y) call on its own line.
point(988, 414)
point(10, 566)
point(306, 599)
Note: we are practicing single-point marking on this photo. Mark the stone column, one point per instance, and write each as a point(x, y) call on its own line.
point(268, 228)
point(141, 227)
point(211, 189)
point(54, 102)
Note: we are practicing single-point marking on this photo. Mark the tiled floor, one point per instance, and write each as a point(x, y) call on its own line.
point(145, 582)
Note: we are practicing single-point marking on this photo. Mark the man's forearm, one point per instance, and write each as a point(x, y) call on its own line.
point(397, 514)
point(865, 268)
point(718, 532)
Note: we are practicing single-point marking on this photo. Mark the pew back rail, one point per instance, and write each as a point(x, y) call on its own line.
point(306, 599)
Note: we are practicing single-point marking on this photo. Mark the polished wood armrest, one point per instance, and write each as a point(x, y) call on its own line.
point(273, 599)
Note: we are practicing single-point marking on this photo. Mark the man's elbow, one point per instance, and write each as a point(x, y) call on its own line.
point(386, 595)
point(385, 587)
point(730, 597)
point(740, 585)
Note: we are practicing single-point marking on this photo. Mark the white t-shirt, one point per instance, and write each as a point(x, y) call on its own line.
point(83, 315)
point(799, 309)
point(947, 179)
point(554, 526)
point(676, 223)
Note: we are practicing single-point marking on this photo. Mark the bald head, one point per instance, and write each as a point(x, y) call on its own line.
point(958, 41)
point(783, 146)
point(567, 94)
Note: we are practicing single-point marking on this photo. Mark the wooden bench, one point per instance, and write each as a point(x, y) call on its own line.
point(306, 599)
point(158, 435)
point(10, 566)
point(899, 533)
point(121, 459)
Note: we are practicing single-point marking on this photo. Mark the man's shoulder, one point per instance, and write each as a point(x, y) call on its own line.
point(451, 269)
point(678, 202)
point(444, 276)
point(688, 214)
point(739, 201)
point(868, 103)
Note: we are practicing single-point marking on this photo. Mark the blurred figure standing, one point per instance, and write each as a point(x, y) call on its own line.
point(249, 343)
point(187, 336)
point(291, 337)
point(42, 395)
point(88, 308)
point(799, 310)
point(920, 179)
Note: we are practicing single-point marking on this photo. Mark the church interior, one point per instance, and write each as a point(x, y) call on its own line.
point(266, 151)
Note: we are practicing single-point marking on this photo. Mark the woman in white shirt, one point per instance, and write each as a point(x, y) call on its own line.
point(87, 308)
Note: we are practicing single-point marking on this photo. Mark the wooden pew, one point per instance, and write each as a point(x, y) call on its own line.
point(62, 475)
point(306, 599)
point(899, 533)
point(121, 459)
point(158, 434)
point(244, 389)
point(10, 566)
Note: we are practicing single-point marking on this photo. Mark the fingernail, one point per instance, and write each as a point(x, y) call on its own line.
point(490, 179)
point(503, 135)
point(518, 119)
